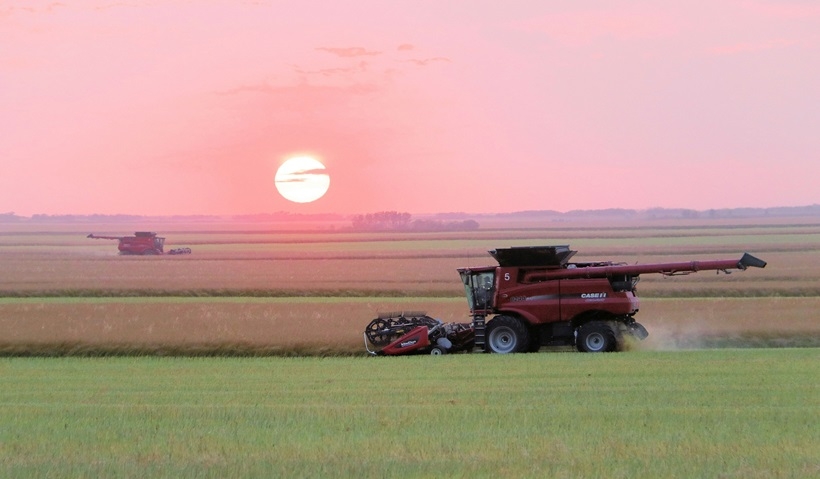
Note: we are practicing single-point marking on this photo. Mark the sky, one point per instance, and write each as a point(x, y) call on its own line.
point(189, 107)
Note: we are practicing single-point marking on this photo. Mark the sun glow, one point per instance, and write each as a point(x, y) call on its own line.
point(302, 179)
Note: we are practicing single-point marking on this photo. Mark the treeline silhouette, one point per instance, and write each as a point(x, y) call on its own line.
point(402, 221)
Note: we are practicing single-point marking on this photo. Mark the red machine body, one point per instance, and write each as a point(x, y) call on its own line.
point(537, 297)
point(142, 243)
point(411, 342)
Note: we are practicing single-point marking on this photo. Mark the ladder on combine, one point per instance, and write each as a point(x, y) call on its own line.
point(479, 328)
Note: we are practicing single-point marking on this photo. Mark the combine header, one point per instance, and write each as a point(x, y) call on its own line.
point(142, 243)
point(416, 333)
point(536, 297)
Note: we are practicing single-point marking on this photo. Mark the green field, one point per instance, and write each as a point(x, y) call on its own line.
point(719, 413)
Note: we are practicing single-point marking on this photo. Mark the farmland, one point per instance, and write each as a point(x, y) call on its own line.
point(709, 413)
point(330, 326)
point(245, 358)
point(253, 289)
point(408, 264)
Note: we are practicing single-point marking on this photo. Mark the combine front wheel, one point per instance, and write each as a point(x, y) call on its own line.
point(506, 334)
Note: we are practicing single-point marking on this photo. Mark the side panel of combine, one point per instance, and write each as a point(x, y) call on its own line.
point(538, 302)
point(583, 295)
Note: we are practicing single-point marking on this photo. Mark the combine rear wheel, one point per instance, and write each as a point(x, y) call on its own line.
point(596, 337)
point(506, 334)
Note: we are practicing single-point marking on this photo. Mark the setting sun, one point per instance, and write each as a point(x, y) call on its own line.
point(302, 179)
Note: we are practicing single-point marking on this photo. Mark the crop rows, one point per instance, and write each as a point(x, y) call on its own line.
point(347, 278)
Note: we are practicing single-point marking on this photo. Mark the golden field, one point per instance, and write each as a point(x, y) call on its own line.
point(287, 326)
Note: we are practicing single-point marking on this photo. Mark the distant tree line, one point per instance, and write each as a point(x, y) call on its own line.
point(401, 221)
point(9, 217)
point(438, 225)
point(383, 220)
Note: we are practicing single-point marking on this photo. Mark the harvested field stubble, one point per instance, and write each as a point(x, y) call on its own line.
point(787, 275)
point(43, 262)
point(323, 287)
point(169, 275)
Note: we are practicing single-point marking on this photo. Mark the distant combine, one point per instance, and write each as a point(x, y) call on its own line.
point(142, 243)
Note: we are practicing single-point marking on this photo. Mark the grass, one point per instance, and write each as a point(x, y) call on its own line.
point(728, 413)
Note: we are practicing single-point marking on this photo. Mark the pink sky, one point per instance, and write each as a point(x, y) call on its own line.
point(164, 107)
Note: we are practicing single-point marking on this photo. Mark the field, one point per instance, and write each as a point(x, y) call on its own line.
point(245, 359)
point(252, 289)
point(711, 413)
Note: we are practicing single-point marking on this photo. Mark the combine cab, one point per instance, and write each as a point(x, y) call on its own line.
point(142, 243)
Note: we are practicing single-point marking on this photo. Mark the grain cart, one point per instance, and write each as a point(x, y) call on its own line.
point(536, 297)
point(142, 243)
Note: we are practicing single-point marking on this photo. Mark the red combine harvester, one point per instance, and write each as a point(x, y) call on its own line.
point(536, 297)
point(142, 243)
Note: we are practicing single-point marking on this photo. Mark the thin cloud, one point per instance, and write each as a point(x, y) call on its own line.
point(349, 52)
point(313, 171)
point(47, 9)
point(301, 176)
point(119, 5)
point(405, 47)
point(422, 62)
